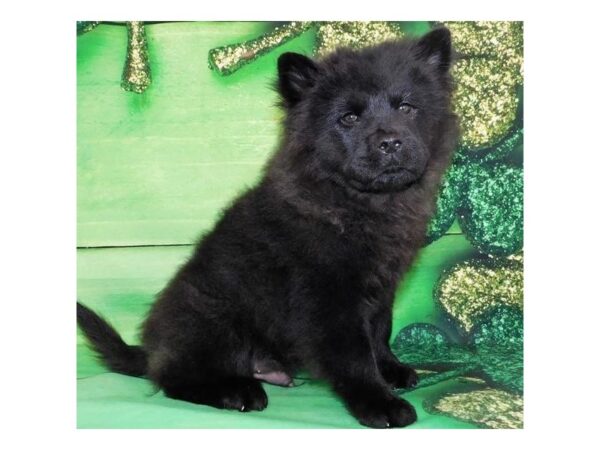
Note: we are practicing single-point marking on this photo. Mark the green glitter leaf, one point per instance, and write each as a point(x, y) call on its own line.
point(497, 153)
point(452, 191)
point(498, 337)
point(426, 345)
point(492, 214)
point(493, 351)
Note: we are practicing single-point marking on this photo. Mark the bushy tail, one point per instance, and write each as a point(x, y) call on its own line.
point(116, 354)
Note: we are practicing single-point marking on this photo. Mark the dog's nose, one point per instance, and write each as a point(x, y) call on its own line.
point(389, 144)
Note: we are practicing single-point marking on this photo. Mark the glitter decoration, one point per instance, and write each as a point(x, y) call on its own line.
point(499, 330)
point(84, 27)
point(452, 191)
point(499, 40)
point(331, 35)
point(508, 146)
point(470, 288)
point(486, 102)
point(491, 215)
point(227, 59)
point(488, 70)
point(429, 347)
point(431, 378)
point(136, 73)
point(492, 351)
point(518, 257)
point(498, 338)
point(486, 408)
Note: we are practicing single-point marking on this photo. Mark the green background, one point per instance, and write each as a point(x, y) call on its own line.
point(153, 172)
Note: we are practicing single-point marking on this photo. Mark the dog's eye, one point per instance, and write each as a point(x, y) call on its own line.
point(349, 119)
point(406, 108)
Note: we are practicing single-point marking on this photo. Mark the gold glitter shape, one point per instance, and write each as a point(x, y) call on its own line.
point(229, 58)
point(498, 40)
point(136, 73)
point(489, 69)
point(489, 408)
point(472, 287)
point(331, 35)
point(485, 100)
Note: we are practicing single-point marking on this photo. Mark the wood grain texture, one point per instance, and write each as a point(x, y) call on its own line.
point(156, 168)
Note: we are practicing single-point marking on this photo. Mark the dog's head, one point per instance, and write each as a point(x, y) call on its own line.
point(369, 119)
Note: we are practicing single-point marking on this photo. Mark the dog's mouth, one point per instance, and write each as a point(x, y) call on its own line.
point(395, 170)
point(391, 179)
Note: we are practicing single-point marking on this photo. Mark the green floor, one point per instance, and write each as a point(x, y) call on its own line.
point(120, 284)
point(153, 172)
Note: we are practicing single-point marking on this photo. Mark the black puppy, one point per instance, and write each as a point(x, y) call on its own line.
point(300, 271)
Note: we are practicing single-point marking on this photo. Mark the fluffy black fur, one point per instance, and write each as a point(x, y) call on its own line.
point(300, 271)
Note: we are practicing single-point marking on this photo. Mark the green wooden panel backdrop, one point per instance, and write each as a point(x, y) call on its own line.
point(154, 170)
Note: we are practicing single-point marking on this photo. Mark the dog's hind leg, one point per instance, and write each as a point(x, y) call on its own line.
point(209, 387)
point(243, 394)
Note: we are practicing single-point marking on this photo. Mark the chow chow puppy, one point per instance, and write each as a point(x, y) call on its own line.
point(300, 271)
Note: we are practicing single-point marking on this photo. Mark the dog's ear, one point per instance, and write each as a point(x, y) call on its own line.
point(435, 48)
point(297, 73)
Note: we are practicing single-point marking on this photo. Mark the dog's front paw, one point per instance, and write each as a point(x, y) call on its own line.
point(390, 413)
point(400, 376)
